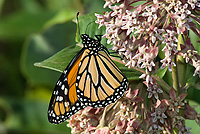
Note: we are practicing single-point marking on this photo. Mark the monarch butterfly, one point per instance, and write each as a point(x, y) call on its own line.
point(90, 79)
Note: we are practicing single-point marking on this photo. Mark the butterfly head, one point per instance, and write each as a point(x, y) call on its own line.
point(84, 37)
point(90, 42)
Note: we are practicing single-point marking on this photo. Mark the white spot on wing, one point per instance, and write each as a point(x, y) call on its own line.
point(66, 91)
point(65, 72)
point(61, 98)
point(66, 104)
point(63, 87)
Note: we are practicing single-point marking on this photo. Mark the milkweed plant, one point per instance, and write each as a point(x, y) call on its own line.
point(139, 34)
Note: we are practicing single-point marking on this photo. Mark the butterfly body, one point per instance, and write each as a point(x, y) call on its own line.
point(90, 79)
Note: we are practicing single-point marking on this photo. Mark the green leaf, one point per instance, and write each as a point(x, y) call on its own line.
point(130, 73)
point(1, 5)
point(192, 80)
point(194, 38)
point(193, 84)
point(161, 53)
point(60, 60)
point(191, 123)
point(94, 5)
point(75, 5)
point(88, 26)
point(161, 72)
point(18, 25)
point(41, 46)
point(27, 116)
point(62, 16)
point(193, 94)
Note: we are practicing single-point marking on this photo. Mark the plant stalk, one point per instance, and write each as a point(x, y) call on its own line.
point(175, 76)
point(181, 66)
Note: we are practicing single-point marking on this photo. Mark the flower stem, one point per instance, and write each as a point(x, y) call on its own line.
point(162, 83)
point(181, 65)
point(179, 71)
point(102, 121)
point(175, 75)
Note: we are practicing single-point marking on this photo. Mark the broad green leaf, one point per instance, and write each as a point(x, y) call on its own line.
point(41, 46)
point(75, 5)
point(94, 6)
point(32, 16)
point(192, 80)
point(161, 72)
point(88, 26)
point(18, 25)
point(1, 5)
point(27, 116)
point(194, 38)
point(130, 73)
point(60, 60)
point(193, 94)
point(61, 17)
point(31, 6)
point(161, 53)
point(168, 78)
point(193, 83)
point(191, 123)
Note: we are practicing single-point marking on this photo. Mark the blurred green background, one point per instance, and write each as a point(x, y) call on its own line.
point(30, 32)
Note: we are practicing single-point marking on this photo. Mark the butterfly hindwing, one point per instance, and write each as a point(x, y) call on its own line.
point(64, 102)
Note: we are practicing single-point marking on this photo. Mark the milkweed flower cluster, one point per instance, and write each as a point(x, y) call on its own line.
point(138, 33)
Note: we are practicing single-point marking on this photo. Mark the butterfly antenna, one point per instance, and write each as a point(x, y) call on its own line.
point(78, 24)
point(88, 25)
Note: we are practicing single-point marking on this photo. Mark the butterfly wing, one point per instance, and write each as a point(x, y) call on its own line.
point(99, 81)
point(64, 102)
